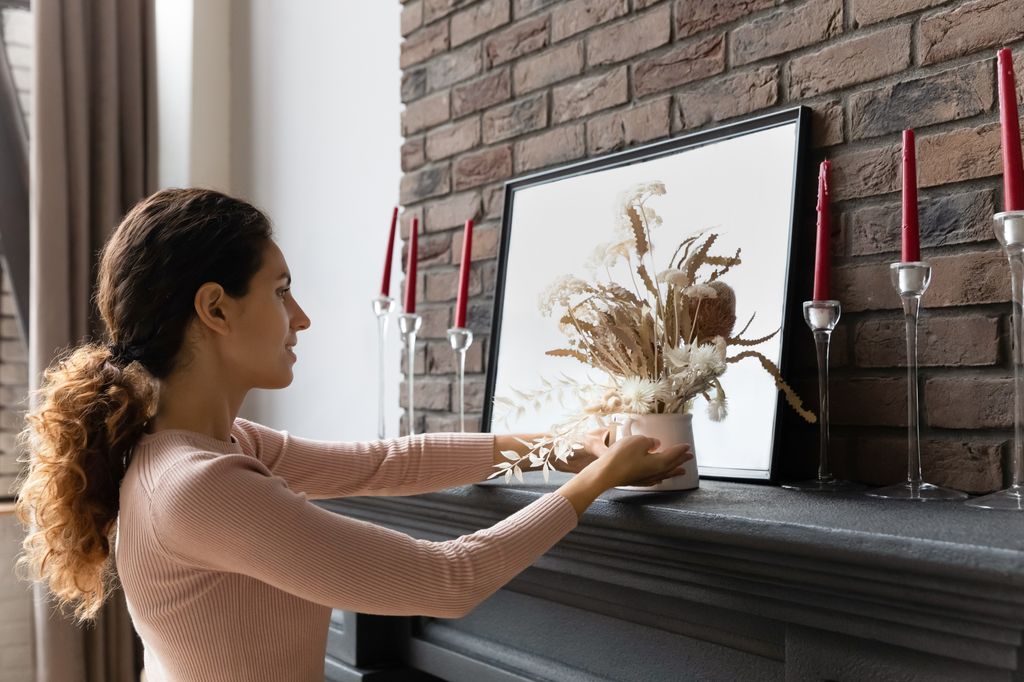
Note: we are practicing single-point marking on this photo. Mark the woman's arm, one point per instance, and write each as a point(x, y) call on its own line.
point(398, 466)
point(228, 512)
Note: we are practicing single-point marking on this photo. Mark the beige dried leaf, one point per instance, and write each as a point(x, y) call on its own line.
point(639, 238)
point(791, 397)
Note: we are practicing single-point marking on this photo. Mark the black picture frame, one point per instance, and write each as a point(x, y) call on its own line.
point(792, 315)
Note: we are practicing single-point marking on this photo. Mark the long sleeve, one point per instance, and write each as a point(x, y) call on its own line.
point(228, 512)
point(399, 466)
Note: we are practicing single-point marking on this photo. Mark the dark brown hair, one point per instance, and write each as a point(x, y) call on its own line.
point(96, 398)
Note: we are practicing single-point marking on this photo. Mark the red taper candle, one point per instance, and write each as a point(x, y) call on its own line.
point(410, 268)
point(467, 250)
point(911, 235)
point(822, 251)
point(1013, 169)
point(385, 285)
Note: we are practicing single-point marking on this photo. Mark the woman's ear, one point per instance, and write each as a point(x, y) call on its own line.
point(214, 307)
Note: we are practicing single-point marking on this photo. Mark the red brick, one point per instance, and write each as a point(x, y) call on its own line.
point(827, 123)
point(967, 28)
point(547, 149)
point(969, 402)
point(449, 423)
point(946, 96)
point(974, 467)
point(686, 63)
point(436, 320)
point(453, 211)
point(872, 11)
point(517, 118)
point(441, 360)
point(434, 249)
point(413, 155)
point(731, 95)
point(474, 395)
point(548, 67)
point(443, 285)
point(419, 359)
point(945, 218)
point(453, 139)
point(412, 16)
point(960, 279)
point(521, 8)
point(478, 19)
point(786, 29)
point(424, 44)
point(628, 127)
point(588, 95)
point(435, 9)
point(485, 244)
point(964, 341)
point(960, 154)
point(866, 173)
point(429, 394)
point(484, 166)
point(693, 17)
point(859, 59)
point(517, 40)
point(570, 18)
point(425, 113)
point(414, 84)
point(494, 203)
point(486, 91)
point(426, 183)
point(405, 219)
point(874, 402)
point(624, 40)
point(454, 67)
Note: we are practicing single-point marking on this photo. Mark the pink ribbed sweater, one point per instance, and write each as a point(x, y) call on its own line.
point(230, 573)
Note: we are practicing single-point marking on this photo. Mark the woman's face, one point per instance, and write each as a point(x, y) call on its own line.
point(267, 322)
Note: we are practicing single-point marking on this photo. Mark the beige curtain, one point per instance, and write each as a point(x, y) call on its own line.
point(92, 143)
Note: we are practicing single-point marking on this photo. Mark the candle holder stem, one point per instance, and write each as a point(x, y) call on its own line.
point(461, 339)
point(409, 325)
point(1009, 228)
point(822, 317)
point(911, 279)
point(382, 306)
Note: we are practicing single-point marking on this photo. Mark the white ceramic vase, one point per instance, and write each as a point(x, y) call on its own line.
point(670, 429)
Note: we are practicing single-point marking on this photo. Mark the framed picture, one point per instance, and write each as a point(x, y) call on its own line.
point(739, 181)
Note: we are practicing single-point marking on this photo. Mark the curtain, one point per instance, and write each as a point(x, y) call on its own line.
point(91, 158)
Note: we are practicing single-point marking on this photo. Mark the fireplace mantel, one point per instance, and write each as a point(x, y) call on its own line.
point(731, 581)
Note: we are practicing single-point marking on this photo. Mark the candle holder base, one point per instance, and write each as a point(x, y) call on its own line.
point(1010, 499)
point(920, 491)
point(830, 485)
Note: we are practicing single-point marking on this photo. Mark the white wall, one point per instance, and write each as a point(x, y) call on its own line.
point(316, 143)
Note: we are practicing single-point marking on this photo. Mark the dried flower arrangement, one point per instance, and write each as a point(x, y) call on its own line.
point(658, 346)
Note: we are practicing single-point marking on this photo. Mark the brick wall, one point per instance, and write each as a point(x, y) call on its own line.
point(497, 88)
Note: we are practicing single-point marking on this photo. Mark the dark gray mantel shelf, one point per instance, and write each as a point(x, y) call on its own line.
point(731, 581)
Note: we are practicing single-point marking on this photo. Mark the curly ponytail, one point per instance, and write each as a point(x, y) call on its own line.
point(95, 400)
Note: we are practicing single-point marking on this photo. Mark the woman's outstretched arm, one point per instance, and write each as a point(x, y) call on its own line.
point(398, 466)
point(228, 512)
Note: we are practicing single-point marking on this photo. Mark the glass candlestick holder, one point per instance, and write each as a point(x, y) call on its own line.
point(1009, 227)
point(382, 306)
point(911, 280)
point(461, 339)
point(822, 317)
point(409, 324)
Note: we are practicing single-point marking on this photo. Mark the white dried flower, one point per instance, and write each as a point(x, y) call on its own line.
point(672, 276)
point(559, 293)
point(700, 291)
point(678, 357)
point(717, 409)
point(639, 395)
point(706, 359)
point(606, 255)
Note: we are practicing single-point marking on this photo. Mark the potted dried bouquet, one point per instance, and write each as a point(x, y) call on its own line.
point(658, 344)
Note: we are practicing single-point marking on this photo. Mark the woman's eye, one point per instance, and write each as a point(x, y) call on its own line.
point(284, 291)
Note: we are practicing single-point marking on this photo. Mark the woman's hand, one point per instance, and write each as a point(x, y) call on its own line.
point(594, 447)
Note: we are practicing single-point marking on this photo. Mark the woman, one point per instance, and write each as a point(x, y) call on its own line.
point(229, 571)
